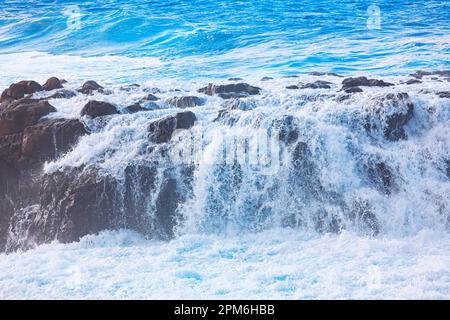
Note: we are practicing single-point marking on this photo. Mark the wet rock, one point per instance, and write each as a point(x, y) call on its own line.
point(266, 78)
point(391, 113)
point(52, 84)
point(149, 97)
point(129, 87)
point(10, 148)
point(319, 74)
point(50, 138)
point(239, 104)
point(443, 94)
point(235, 79)
point(89, 87)
point(23, 113)
point(161, 131)
point(134, 108)
point(364, 82)
point(362, 213)
point(293, 87)
point(353, 90)
point(20, 89)
point(380, 176)
point(62, 94)
point(420, 74)
point(227, 91)
point(413, 81)
point(319, 84)
point(288, 132)
point(185, 101)
point(96, 109)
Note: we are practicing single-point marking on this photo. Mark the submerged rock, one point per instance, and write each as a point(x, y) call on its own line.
point(149, 97)
point(134, 108)
point(161, 131)
point(353, 90)
point(96, 109)
point(185, 102)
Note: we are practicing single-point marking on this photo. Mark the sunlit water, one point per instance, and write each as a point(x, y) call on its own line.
point(186, 44)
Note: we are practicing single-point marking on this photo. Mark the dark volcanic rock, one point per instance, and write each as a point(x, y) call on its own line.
point(161, 131)
point(227, 91)
point(89, 87)
point(11, 148)
point(50, 138)
point(364, 82)
point(52, 84)
point(23, 113)
point(266, 78)
point(235, 79)
point(96, 109)
point(421, 74)
point(319, 84)
point(20, 89)
point(185, 102)
point(293, 87)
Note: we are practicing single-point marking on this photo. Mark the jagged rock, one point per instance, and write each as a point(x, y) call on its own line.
point(293, 87)
point(353, 90)
point(161, 131)
point(52, 84)
point(20, 89)
point(235, 79)
point(185, 102)
point(319, 84)
point(238, 104)
point(23, 113)
point(227, 91)
point(62, 94)
point(50, 138)
point(364, 82)
point(81, 201)
point(96, 109)
point(89, 87)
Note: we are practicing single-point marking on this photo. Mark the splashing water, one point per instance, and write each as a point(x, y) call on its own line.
point(339, 210)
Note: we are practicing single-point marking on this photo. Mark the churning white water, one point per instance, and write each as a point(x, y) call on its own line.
point(305, 220)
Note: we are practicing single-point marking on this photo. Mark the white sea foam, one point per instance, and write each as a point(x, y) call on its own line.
point(277, 264)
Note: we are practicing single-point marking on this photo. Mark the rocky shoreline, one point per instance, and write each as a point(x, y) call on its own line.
point(38, 207)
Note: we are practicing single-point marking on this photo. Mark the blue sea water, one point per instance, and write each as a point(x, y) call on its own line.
point(223, 38)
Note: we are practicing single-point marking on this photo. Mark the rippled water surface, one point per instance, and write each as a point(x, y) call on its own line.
point(221, 38)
